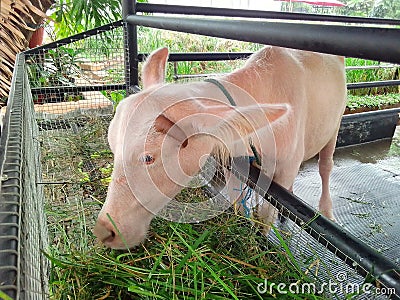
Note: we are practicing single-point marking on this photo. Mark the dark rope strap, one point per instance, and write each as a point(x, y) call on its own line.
point(256, 158)
point(223, 89)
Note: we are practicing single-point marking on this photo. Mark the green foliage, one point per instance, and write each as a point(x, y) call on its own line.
point(372, 101)
point(372, 74)
point(4, 296)
point(53, 69)
point(75, 16)
point(150, 39)
point(84, 176)
point(115, 96)
point(387, 9)
point(362, 8)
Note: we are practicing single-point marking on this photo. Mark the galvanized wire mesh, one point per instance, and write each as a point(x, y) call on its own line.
point(336, 274)
point(62, 95)
point(75, 87)
point(23, 236)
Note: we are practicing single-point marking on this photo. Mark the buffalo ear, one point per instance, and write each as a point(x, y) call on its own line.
point(153, 72)
point(166, 126)
point(244, 120)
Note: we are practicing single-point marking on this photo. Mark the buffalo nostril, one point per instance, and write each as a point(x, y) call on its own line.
point(109, 238)
point(104, 234)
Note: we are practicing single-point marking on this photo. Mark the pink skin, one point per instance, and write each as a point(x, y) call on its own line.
point(159, 141)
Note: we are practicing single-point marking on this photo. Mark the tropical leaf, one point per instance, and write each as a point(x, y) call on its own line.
point(74, 16)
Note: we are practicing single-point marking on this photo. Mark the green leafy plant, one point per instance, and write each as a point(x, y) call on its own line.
point(57, 67)
point(387, 9)
point(369, 70)
point(361, 8)
point(74, 16)
point(372, 101)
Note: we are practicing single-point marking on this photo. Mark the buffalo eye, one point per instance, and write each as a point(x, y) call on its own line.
point(147, 158)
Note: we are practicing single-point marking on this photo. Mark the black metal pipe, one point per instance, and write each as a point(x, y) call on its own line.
point(246, 13)
point(333, 39)
point(114, 87)
point(73, 38)
point(196, 56)
point(329, 234)
point(360, 85)
point(131, 47)
point(72, 89)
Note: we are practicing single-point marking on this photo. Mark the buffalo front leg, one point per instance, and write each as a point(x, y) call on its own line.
point(267, 213)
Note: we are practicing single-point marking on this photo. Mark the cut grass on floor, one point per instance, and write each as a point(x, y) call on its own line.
point(222, 258)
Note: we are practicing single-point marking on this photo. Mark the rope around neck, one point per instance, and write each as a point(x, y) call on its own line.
point(223, 89)
point(256, 158)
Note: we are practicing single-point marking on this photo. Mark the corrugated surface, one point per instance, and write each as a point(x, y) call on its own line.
point(365, 188)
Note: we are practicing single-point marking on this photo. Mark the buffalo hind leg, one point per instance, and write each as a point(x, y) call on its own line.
point(325, 165)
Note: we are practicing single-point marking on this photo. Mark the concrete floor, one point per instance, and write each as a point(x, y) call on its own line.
point(365, 188)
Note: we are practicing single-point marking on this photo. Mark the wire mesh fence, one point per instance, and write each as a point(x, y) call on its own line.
point(23, 228)
point(60, 107)
point(74, 93)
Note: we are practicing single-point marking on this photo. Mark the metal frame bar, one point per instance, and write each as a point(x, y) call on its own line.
point(131, 48)
point(371, 84)
point(84, 88)
point(199, 56)
point(332, 39)
point(246, 13)
point(10, 186)
point(331, 235)
point(73, 38)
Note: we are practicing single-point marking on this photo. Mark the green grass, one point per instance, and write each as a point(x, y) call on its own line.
point(222, 258)
point(150, 39)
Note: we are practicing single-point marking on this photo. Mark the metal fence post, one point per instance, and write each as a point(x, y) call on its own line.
point(131, 48)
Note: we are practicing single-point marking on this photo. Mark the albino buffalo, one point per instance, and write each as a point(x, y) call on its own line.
point(289, 103)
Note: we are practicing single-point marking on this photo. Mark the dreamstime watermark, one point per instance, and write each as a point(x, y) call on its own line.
point(332, 286)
